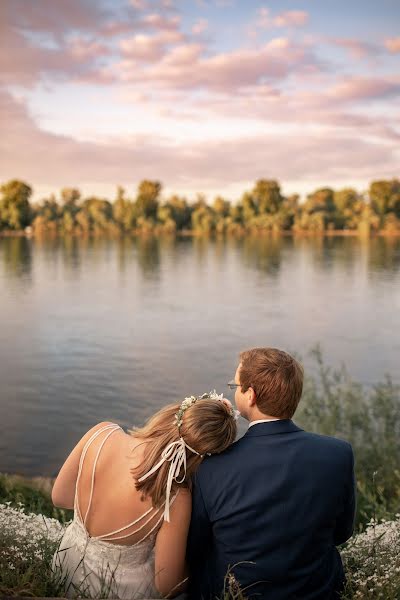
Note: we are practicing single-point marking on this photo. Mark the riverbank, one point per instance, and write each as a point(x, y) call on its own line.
point(352, 233)
point(28, 540)
point(33, 493)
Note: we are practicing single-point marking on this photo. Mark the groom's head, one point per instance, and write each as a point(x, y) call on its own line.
point(271, 383)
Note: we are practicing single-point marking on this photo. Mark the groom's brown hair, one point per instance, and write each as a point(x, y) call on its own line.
point(276, 378)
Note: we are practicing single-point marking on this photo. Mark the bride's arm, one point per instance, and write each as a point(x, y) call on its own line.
point(170, 549)
point(63, 492)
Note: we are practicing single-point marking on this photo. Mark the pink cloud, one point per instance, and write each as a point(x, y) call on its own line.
point(51, 16)
point(200, 26)
point(184, 55)
point(114, 28)
point(139, 4)
point(161, 23)
point(359, 88)
point(289, 18)
point(146, 47)
point(83, 49)
point(356, 48)
point(25, 64)
point(393, 45)
point(211, 163)
point(225, 72)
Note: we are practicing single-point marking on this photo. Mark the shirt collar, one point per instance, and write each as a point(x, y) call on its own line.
point(262, 421)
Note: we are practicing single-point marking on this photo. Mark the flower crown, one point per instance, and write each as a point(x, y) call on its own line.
point(190, 400)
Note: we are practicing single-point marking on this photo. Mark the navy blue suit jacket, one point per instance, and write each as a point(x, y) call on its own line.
point(281, 498)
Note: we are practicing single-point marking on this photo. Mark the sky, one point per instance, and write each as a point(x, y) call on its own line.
point(202, 95)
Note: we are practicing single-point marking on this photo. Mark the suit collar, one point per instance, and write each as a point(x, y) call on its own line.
point(272, 427)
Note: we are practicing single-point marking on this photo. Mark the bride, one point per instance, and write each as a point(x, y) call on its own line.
point(132, 502)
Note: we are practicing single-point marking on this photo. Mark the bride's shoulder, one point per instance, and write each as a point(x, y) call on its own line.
point(182, 500)
point(180, 510)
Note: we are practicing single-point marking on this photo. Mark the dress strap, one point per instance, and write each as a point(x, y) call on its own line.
point(120, 537)
point(111, 428)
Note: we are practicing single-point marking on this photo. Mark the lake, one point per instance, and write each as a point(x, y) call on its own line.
point(100, 329)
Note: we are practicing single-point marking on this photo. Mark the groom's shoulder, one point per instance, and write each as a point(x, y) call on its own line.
point(327, 442)
point(214, 461)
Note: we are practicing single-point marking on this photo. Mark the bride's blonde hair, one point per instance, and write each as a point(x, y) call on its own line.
point(207, 426)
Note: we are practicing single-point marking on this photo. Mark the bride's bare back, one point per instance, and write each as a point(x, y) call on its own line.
point(115, 501)
point(111, 509)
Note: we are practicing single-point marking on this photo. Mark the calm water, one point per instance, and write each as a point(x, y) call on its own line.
point(97, 329)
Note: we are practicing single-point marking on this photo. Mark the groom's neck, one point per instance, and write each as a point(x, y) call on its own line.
point(255, 414)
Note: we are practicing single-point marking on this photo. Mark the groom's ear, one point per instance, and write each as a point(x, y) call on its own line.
point(252, 400)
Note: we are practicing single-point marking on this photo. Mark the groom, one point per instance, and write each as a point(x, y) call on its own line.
point(274, 506)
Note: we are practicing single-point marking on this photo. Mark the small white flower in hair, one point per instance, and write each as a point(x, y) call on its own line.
point(190, 400)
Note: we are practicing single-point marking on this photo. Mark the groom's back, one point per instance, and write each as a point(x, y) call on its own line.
point(280, 498)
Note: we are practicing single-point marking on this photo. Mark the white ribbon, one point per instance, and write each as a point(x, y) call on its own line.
point(175, 453)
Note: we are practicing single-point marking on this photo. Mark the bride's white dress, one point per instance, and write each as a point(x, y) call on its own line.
point(95, 567)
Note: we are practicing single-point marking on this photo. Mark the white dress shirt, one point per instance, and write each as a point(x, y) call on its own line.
point(262, 421)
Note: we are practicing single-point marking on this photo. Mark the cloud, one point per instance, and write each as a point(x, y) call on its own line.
point(289, 18)
point(86, 49)
point(357, 48)
point(139, 4)
point(363, 89)
point(148, 48)
point(50, 40)
point(205, 165)
point(161, 23)
point(225, 72)
point(56, 17)
point(393, 45)
point(26, 64)
point(200, 26)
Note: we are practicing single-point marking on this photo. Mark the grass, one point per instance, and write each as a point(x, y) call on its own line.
point(334, 404)
point(27, 545)
point(33, 495)
point(372, 562)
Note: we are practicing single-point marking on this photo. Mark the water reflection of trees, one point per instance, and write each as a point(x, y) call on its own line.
point(16, 256)
point(263, 253)
point(327, 253)
point(384, 254)
point(148, 255)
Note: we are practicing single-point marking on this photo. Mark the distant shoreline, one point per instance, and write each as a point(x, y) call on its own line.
point(193, 234)
point(37, 482)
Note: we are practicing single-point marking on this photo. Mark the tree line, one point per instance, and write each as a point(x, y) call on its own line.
point(264, 208)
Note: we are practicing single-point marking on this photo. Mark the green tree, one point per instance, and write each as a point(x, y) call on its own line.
point(46, 215)
point(99, 212)
point(318, 212)
point(70, 198)
point(15, 210)
point(236, 213)
point(320, 200)
point(267, 196)
point(345, 199)
point(147, 200)
point(221, 207)
point(118, 208)
point(349, 205)
point(249, 208)
point(203, 218)
point(385, 197)
point(124, 211)
point(176, 209)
